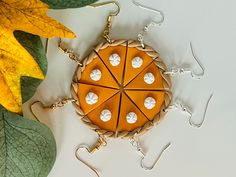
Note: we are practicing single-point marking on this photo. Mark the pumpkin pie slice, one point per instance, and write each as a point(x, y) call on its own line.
point(149, 102)
point(136, 61)
point(91, 96)
point(114, 59)
point(149, 79)
point(96, 73)
point(105, 116)
point(130, 116)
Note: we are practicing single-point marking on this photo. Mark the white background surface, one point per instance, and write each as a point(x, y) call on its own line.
point(206, 152)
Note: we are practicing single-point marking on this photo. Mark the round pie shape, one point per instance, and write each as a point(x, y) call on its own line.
point(131, 94)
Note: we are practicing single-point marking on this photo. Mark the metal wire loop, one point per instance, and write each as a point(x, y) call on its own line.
point(100, 143)
point(157, 159)
point(136, 144)
point(106, 32)
point(179, 106)
point(58, 104)
point(72, 55)
point(152, 24)
point(83, 161)
point(179, 71)
point(62, 103)
point(115, 13)
point(204, 114)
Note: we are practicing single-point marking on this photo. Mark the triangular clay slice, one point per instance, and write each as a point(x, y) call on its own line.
point(131, 70)
point(102, 93)
point(126, 107)
point(115, 68)
point(149, 108)
point(113, 106)
point(106, 78)
point(140, 83)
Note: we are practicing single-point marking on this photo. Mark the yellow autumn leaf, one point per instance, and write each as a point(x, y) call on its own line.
point(29, 16)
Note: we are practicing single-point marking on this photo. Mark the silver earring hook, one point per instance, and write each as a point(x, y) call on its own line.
point(136, 144)
point(153, 23)
point(193, 74)
point(181, 107)
point(180, 71)
point(204, 115)
point(138, 4)
point(158, 158)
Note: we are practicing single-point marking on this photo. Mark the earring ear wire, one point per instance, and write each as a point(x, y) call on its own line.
point(180, 71)
point(100, 142)
point(136, 144)
point(138, 4)
point(181, 107)
point(153, 23)
point(106, 32)
point(193, 74)
point(204, 114)
point(157, 159)
point(114, 13)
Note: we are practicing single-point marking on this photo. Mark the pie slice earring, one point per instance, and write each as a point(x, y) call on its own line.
point(123, 88)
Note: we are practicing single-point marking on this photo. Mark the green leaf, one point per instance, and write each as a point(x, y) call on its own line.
point(34, 46)
point(64, 4)
point(27, 148)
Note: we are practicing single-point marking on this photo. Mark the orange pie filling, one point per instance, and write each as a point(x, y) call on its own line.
point(121, 89)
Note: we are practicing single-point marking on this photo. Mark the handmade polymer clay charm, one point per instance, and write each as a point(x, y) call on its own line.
point(131, 93)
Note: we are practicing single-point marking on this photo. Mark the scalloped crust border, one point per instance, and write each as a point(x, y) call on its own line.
point(166, 81)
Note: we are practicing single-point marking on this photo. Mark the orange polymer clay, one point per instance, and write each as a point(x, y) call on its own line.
point(110, 122)
point(106, 78)
point(137, 118)
point(139, 81)
point(137, 95)
point(120, 89)
point(130, 71)
point(116, 67)
point(103, 94)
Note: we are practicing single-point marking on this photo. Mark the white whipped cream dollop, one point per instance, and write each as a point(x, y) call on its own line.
point(105, 115)
point(114, 59)
point(91, 98)
point(149, 102)
point(137, 62)
point(149, 78)
point(96, 74)
point(131, 117)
